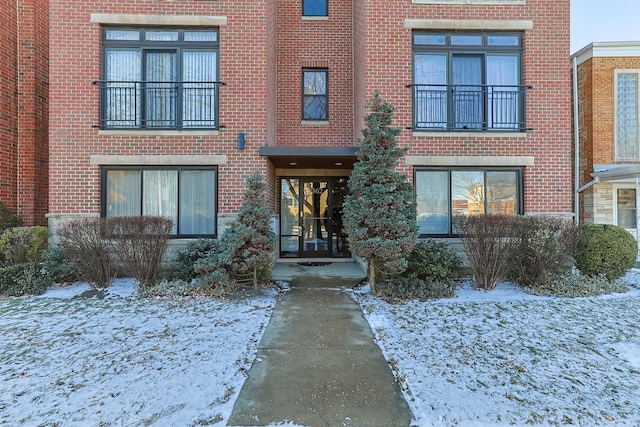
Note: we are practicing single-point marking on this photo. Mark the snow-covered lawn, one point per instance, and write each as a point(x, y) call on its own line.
point(483, 358)
point(123, 361)
point(508, 358)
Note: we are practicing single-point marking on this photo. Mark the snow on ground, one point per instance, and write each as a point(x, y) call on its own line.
point(508, 358)
point(494, 358)
point(124, 361)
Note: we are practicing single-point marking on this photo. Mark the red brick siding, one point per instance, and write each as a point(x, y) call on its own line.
point(24, 109)
point(8, 106)
point(388, 68)
point(74, 100)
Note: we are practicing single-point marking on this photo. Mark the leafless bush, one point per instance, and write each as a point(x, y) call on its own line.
point(140, 243)
point(545, 249)
point(488, 242)
point(87, 252)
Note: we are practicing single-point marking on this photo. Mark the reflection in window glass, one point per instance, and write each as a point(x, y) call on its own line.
point(626, 208)
point(432, 198)
point(502, 194)
point(466, 40)
point(467, 192)
point(314, 98)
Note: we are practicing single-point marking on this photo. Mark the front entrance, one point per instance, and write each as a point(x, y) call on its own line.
point(311, 217)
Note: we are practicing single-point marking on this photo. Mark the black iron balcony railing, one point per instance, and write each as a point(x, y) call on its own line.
point(158, 105)
point(469, 107)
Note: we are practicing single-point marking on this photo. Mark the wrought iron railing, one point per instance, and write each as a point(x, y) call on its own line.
point(158, 105)
point(469, 107)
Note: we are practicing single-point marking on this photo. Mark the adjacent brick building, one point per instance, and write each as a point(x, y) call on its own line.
point(608, 107)
point(24, 108)
point(166, 107)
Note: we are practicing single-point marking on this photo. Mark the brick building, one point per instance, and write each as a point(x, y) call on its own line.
point(608, 98)
point(166, 107)
point(23, 108)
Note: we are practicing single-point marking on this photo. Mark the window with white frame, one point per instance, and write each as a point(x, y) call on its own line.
point(186, 195)
point(626, 207)
point(627, 113)
point(159, 78)
point(444, 193)
point(468, 81)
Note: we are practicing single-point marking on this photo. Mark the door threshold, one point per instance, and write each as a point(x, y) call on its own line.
point(296, 260)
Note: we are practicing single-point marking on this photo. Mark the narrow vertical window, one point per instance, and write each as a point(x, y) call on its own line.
point(626, 204)
point(315, 8)
point(627, 130)
point(314, 96)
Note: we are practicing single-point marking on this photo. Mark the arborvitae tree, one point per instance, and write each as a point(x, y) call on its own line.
point(380, 211)
point(248, 244)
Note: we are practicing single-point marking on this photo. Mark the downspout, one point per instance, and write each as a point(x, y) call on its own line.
point(576, 137)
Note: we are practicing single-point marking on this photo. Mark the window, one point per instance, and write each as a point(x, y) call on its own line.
point(315, 8)
point(468, 82)
point(626, 207)
point(314, 95)
point(186, 195)
point(442, 194)
point(627, 115)
point(159, 79)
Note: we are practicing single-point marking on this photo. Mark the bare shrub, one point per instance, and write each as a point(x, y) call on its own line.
point(86, 251)
point(545, 249)
point(140, 244)
point(488, 242)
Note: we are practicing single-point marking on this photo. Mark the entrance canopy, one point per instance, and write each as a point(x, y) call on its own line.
point(616, 172)
point(296, 157)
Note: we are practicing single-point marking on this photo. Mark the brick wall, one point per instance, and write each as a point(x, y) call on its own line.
point(548, 184)
point(74, 100)
point(24, 109)
point(8, 106)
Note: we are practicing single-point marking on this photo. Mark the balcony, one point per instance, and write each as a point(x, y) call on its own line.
point(158, 105)
point(468, 108)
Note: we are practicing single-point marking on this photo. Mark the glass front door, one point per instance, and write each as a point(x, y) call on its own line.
point(311, 217)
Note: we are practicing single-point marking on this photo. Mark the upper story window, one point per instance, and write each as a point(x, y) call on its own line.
point(314, 94)
point(627, 116)
point(315, 7)
point(468, 82)
point(442, 194)
point(156, 78)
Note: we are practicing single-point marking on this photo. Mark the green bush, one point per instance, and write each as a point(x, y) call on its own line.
point(545, 249)
point(184, 265)
point(8, 219)
point(432, 259)
point(19, 245)
point(574, 285)
point(56, 265)
point(400, 289)
point(23, 279)
point(604, 249)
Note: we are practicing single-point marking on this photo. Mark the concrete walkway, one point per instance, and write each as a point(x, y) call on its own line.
point(317, 364)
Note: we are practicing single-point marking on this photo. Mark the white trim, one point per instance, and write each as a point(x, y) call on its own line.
point(607, 50)
point(468, 24)
point(167, 20)
point(143, 160)
point(616, 73)
point(469, 160)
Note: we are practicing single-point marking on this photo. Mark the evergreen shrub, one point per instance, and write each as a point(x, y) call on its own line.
point(401, 289)
point(22, 244)
point(604, 249)
point(433, 259)
point(8, 219)
point(576, 285)
point(56, 265)
point(23, 279)
point(186, 259)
